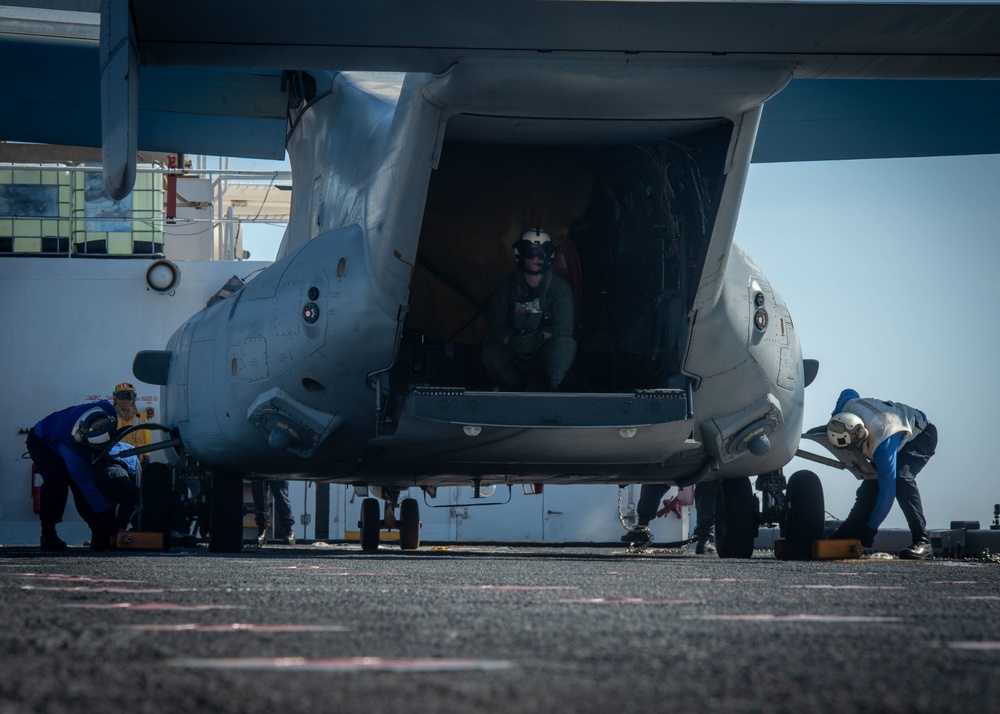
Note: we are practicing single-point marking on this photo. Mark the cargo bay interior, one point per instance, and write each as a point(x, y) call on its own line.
point(631, 224)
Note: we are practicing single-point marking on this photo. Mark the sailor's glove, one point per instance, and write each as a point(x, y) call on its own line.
point(868, 537)
point(527, 341)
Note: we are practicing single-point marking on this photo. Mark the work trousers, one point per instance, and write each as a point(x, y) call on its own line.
point(282, 504)
point(56, 485)
point(705, 492)
point(910, 460)
point(508, 368)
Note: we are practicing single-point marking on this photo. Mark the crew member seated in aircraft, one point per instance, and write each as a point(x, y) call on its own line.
point(124, 400)
point(62, 447)
point(704, 506)
point(282, 504)
point(530, 315)
point(898, 440)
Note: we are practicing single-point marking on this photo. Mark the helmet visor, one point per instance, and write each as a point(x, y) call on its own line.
point(531, 249)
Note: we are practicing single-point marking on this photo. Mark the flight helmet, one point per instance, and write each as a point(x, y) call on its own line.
point(845, 429)
point(95, 427)
point(534, 243)
point(124, 392)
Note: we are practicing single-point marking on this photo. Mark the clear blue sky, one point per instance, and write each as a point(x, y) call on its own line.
point(891, 270)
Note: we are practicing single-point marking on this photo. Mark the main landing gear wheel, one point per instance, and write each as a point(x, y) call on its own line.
point(409, 524)
point(805, 515)
point(156, 510)
point(735, 518)
point(370, 525)
point(226, 513)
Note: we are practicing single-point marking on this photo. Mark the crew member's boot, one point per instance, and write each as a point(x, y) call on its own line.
point(703, 546)
point(50, 541)
point(639, 535)
point(920, 550)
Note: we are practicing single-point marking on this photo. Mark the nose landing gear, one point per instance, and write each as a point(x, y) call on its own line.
point(799, 510)
point(408, 522)
point(804, 516)
point(796, 506)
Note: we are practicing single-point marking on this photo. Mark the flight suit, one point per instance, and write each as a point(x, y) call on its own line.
point(517, 316)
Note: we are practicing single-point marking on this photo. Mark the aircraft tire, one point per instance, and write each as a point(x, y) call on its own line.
point(156, 513)
point(226, 513)
point(409, 524)
point(806, 514)
point(735, 518)
point(370, 525)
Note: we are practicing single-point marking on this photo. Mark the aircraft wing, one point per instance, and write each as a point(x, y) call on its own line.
point(818, 120)
point(50, 93)
point(210, 75)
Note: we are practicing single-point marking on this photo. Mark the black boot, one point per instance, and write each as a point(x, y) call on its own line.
point(703, 546)
point(51, 542)
point(639, 535)
point(920, 550)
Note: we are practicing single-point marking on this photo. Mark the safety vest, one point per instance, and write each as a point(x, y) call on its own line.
point(139, 437)
point(883, 419)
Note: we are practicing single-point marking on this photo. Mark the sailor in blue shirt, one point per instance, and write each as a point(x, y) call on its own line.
point(63, 446)
point(898, 440)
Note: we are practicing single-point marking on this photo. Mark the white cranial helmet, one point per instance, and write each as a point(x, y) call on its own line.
point(534, 243)
point(95, 427)
point(845, 429)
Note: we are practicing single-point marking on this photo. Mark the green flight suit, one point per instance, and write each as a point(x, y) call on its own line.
point(517, 316)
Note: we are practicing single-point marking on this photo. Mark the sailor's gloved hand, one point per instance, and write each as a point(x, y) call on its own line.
point(527, 342)
point(868, 537)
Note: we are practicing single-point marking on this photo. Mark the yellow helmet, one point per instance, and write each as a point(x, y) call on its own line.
point(124, 391)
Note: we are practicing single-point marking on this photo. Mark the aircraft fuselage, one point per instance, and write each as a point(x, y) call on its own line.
point(355, 356)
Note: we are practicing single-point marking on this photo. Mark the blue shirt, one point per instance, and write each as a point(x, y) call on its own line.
point(884, 459)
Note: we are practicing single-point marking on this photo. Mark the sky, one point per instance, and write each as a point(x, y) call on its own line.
point(891, 271)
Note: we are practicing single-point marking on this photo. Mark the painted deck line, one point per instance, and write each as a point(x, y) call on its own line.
point(237, 627)
point(796, 618)
point(624, 601)
point(346, 664)
point(151, 606)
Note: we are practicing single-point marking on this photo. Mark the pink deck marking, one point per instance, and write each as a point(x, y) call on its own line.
point(624, 601)
point(798, 618)
point(152, 606)
point(346, 664)
point(237, 627)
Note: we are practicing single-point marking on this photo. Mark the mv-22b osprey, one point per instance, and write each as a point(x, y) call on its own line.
point(624, 129)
